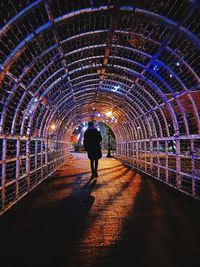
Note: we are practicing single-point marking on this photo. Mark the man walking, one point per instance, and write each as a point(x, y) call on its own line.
point(92, 140)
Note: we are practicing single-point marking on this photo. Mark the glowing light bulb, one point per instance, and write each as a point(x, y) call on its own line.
point(53, 126)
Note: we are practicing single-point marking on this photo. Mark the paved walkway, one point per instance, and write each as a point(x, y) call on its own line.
point(119, 219)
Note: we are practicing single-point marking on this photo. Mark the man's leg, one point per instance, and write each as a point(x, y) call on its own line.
point(92, 168)
point(96, 168)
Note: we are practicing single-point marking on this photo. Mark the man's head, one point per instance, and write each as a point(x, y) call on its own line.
point(90, 123)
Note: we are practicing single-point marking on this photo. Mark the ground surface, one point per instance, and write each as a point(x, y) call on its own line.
point(119, 219)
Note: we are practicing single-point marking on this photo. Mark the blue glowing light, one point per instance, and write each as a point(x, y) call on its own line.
point(116, 87)
point(155, 67)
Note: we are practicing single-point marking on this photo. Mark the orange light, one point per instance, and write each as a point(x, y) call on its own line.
point(53, 126)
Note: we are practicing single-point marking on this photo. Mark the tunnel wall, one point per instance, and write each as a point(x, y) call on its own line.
point(174, 161)
point(26, 162)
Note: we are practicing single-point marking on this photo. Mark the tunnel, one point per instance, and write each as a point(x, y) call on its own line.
point(65, 62)
point(132, 65)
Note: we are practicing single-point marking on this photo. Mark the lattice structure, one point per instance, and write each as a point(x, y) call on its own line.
point(64, 62)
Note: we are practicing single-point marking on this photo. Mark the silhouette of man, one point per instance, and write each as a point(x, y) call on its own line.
point(92, 140)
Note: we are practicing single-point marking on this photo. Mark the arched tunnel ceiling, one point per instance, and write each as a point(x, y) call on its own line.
point(64, 62)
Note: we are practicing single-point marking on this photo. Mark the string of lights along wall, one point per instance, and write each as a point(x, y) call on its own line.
point(133, 65)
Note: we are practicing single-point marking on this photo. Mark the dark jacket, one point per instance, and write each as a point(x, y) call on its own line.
point(92, 139)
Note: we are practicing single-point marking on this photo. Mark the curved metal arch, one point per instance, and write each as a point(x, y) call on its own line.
point(58, 100)
point(26, 88)
point(39, 118)
point(155, 87)
point(151, 14)
point(21, 13)
point(138, 108)
point(16, 53)
point(20, 48)
point(108, 104)
point(193, 101)
point(171, 51)
point(87, 67)
point(39, 30)
point(178, 100)
point(170, 72)
point(96, 103)
point(138, 85)
point(134, 50)
point(174, 75)
point(157, 17)
point(49, 78)
point(171, 90)
point(75, 108)
point(45, 26)
point(152, 85)
point(185, 119)
point(62, 103)
point(19, 105)
point(44, 118)
point(171, 23)
point(164, 20)
point(87, 117)
point(18, 109)
point(95, 85)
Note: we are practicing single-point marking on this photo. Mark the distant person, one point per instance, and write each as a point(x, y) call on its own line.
point(92, 140)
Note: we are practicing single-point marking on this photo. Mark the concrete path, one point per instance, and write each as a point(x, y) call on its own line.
point(119, 219)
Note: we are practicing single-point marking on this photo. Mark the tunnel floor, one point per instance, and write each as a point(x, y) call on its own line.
point(120, 218)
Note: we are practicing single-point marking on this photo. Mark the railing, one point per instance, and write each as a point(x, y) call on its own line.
point(25, 163)
point(174, 161)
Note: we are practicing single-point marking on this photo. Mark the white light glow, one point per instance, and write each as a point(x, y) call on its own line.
point(109, 113)
point(116, 87)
